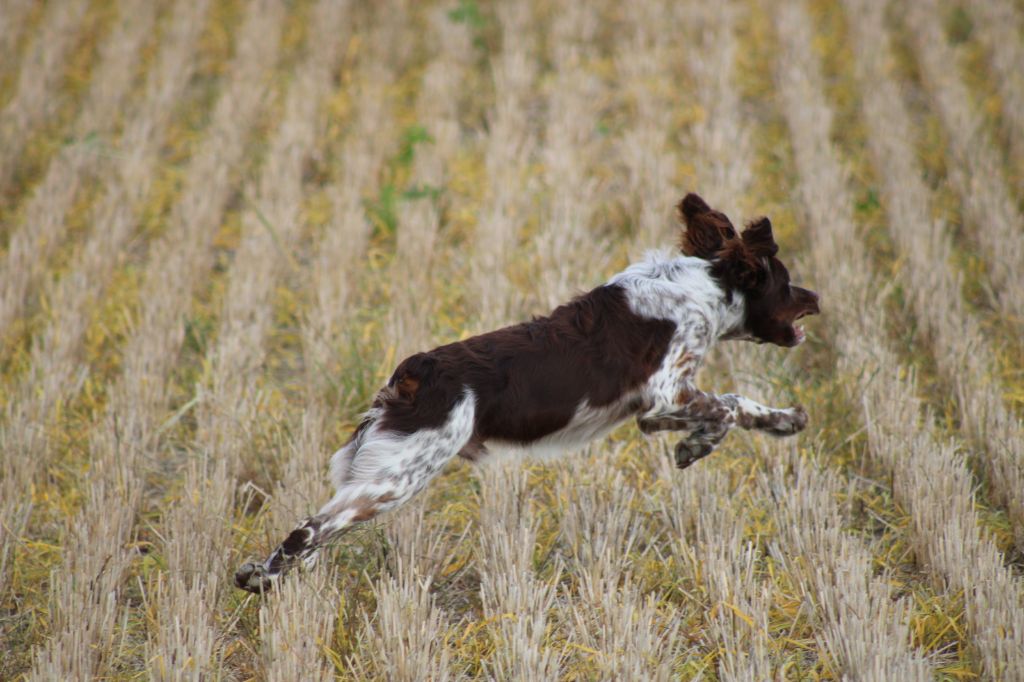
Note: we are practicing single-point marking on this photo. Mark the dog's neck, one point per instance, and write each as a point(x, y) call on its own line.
point(691, 289)
point(727, 308)
point(732, 312)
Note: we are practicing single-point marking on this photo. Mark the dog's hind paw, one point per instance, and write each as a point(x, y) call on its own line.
point(253, 578)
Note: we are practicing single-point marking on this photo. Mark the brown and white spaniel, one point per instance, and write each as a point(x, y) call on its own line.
point(629, 348)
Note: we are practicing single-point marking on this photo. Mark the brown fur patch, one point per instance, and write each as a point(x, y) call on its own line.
point(366, 507)
point(529, 379)
point(686, 362)
point(407, 387)
point(473, 451)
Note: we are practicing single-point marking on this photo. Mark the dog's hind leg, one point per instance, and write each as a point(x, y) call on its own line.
point(378, 470)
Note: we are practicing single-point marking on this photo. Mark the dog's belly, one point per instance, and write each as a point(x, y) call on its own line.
point(587, 425)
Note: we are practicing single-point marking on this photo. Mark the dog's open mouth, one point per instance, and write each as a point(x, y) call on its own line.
point(798, 331)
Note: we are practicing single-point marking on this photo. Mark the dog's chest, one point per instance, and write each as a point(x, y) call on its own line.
point(682, 360)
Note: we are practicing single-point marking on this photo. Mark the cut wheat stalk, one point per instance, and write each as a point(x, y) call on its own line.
point(270, 229)
point(182, 257)
point(636, 638)
point(859, 621)
point(34, 101)
point(734, 569)
point(961, 347)
point(84, 603)
point(52, 376)
point(14, 15)
point(977, 174)
point(1000, 26)
point(297, 625)
point(728, 563)
point(420, 555)
point(509, 583)
point(644, 64)
point(419, 220)
point(930, 479)
point(336, 273)
point(570, 147)
point(936, 486)
point(347, 235)
point(720, 135)
point(45, 214)
point(511, 144)
point(606, 611)
point(137, 399)
point(54, 371)
point(199, 561)
point(599, 524)
point(121, 442)
point(729, 567)
point(404, 640)
point(726, 569)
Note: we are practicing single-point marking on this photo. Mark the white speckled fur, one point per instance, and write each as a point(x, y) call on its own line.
point(378, 463)
point(681, 289)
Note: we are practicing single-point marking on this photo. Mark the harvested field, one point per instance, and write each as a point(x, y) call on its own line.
point(224, 222)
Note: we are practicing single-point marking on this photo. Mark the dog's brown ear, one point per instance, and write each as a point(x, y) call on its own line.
point(741, 261)
point(759, 239)
point(692, 205)
point(739, 266)
point(707, 230)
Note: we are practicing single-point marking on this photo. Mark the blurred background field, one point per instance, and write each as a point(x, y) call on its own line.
point(223, 222)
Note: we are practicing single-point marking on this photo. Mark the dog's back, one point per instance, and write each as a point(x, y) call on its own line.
point(531, 379)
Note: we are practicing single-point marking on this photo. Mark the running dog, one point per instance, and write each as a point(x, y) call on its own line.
point(629, 348)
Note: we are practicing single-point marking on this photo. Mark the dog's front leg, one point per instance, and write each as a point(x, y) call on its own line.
point(706, 416)
point(752, 415)
point(709, 417)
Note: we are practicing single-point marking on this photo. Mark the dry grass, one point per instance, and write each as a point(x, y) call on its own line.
point(929, 477)
point(33, 102)
point(976, 172)
point(510, 148)
point(224, 222)
point(15, 17)
point(962, 350)
point(44, 218)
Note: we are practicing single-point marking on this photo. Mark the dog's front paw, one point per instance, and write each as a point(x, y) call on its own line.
point(689, 451)
point(789, 421)
point(253, 578)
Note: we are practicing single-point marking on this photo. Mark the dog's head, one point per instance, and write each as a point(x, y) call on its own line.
point(747, 263)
